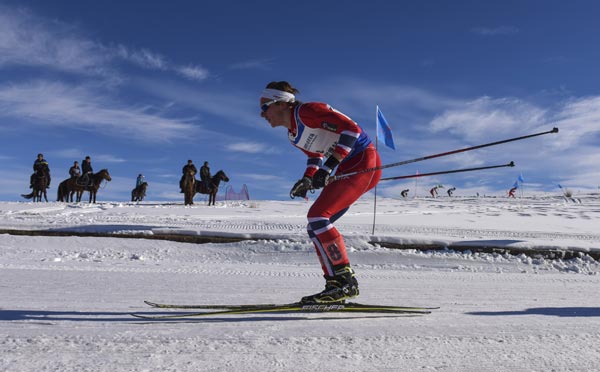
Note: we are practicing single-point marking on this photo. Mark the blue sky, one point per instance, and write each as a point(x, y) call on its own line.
point(142, 86)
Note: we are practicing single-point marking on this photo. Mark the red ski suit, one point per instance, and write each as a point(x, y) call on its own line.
point(320, 131)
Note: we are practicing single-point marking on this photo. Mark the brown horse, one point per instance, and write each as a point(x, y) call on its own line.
point(40, 184)
point(139, 192)
point(73, 185)
point(189, 187)
point(213, 189)
point(62, 194)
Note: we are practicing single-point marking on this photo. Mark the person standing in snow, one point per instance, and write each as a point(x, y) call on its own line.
point(330, 140)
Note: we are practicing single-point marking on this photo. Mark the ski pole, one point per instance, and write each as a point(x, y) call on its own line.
point(340, 176)
point(511, 164)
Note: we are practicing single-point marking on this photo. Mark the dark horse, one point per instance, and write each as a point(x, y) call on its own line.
point(213, 189)
point(189, 187)
point(139, 192)
point(73, 185)
point(40, 184)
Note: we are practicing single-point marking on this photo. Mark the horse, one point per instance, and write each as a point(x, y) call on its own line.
point(63, 193)
point(73, 185)
point(213, 189)
point(189, 187)
point(40, 184)
point(139, 192)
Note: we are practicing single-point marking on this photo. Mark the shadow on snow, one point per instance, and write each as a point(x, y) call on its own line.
point(565, 312)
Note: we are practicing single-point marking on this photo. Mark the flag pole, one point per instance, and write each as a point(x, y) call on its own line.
point(375, 189)
point(416, 178)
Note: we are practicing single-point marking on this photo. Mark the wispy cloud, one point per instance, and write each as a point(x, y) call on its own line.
point(495, 31)
point(476, 119)
point(109, 158)
point(29, 40)
point(193, 72)
point(251, 148)
point(579, 119)
point(143, 58)
point(61, 105)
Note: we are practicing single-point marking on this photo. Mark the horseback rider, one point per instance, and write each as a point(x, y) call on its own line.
point(87, 171)
point(205, 176)
point(188, 167)
point(75, 171)
point(40, 168)
point(139, 180)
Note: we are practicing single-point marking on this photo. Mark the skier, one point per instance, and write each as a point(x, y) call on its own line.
point(331, 140)
point(450, 191)
point(511, 192)
point(404, 193)
point(433, 192)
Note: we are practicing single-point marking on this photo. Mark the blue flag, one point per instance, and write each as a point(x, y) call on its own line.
point(521, 179)
point(384, 131)
point(516, 185)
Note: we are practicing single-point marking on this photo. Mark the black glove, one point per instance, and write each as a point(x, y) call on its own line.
point(301, 187)
point(320, 178)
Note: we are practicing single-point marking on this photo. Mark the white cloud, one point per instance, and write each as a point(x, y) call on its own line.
point(476, 119)
point(578, 121)
point(108, 158)
point(61, 105)
point(28, 40)
point(250, 148)
point(143, 58)
point(193, 72)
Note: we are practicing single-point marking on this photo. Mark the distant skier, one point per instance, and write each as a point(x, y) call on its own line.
point(450, 191)
point(404, 193)
point(511, 192)
point(433, 192)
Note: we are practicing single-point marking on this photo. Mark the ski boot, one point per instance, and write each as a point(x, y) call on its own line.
point(338, 288)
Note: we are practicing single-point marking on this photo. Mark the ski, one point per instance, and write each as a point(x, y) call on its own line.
point(251, 306)
point(282, 308)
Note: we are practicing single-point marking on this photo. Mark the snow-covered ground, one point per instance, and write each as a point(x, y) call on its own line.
point(65, 301)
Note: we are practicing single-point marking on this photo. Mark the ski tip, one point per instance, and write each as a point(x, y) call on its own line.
point(153, 304)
